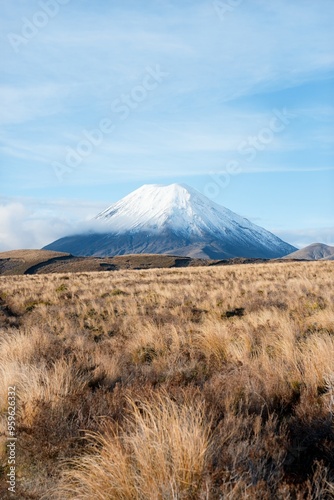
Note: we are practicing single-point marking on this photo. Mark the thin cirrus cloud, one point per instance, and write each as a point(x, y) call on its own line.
point(28, 104)
point(226, 75)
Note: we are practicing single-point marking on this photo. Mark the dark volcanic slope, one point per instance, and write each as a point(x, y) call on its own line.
point(166, 243)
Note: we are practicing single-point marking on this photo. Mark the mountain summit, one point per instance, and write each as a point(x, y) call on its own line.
point(173, 219)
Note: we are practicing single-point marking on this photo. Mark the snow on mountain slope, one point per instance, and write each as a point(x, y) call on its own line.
point(176, 206)
point(173, 219)
point(179, 208)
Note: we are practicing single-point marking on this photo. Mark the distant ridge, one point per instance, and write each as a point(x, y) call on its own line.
point(21, 261)
point(174, 219)
point(18, 262)
point(315, 251)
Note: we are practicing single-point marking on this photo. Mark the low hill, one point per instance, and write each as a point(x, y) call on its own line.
point(45, 261)
point(20, 261)
point(330, 257)
point(316, 251)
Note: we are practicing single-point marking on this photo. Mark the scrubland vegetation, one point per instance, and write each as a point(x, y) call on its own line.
point(196, 383)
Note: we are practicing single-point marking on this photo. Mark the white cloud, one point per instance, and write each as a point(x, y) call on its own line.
point(34, 224)
point(302, 237)
point(20, 228)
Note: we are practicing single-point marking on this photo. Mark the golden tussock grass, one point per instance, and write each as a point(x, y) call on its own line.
point(162, 453)
point(193, 383)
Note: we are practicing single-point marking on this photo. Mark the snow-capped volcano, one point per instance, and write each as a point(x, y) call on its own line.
point(156, 207)
point(177, 207)
point(173, 219)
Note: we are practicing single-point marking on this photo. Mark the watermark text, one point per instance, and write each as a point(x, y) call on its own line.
point(11, 439)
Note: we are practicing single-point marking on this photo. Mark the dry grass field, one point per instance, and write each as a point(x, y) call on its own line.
point(192, 383)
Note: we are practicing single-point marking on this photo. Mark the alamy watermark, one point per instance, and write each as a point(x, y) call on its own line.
point(121, 107)
point(249, 149)
point(11, 439)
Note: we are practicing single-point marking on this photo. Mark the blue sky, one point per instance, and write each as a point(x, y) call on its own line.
point(232, 97)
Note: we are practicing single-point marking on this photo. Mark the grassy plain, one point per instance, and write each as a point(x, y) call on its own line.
point(190, 383)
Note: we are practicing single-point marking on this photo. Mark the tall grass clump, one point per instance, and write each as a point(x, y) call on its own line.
point(161, 452)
